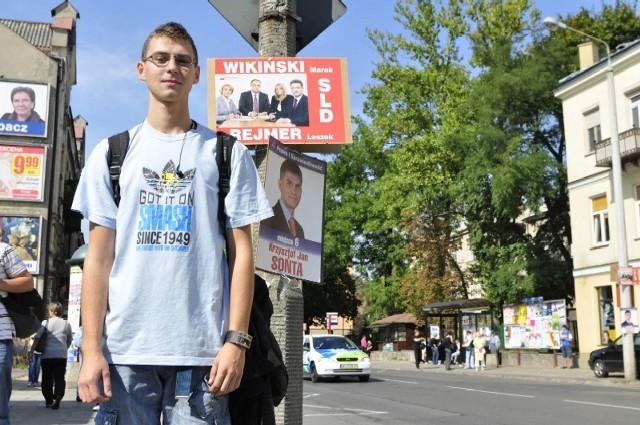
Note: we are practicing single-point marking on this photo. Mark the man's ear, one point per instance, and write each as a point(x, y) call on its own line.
point(140, 71)
point(196, 75)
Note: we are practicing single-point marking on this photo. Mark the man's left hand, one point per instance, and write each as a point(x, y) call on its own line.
point(226, 371)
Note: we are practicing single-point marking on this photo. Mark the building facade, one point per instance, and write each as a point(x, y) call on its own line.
point(41, 146)
point(587, 129)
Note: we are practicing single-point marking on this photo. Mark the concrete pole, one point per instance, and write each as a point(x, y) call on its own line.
point(277, 38)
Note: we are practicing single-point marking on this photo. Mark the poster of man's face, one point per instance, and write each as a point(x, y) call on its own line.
point(290, 242)
point(629, 320)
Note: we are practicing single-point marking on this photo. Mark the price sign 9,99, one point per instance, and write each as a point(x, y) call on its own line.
point(26, 165)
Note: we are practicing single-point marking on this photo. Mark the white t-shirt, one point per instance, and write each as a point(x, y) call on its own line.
point(168, 289)
point(10, 266)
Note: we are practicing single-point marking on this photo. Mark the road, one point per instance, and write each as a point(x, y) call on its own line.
point(421, 397)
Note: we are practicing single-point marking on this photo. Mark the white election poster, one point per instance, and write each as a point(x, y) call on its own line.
point(290, 243)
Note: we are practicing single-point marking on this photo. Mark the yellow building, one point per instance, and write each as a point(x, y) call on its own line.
point(587, 129)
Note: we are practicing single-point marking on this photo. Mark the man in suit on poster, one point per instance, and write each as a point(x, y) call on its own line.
point(290, 185)
point(254, 103)
point(298, 114)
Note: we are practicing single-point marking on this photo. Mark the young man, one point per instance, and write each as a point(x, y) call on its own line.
point(290, 185)
point(14, 277)
point(164, 331)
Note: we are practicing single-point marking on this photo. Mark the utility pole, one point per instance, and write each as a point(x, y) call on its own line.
point(278, 35)
point(277, 22)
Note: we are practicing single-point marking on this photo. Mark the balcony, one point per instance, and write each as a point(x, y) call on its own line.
point(629, 148)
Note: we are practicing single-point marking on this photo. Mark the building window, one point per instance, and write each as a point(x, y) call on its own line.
point(635, 113)
point(592, 125)
point(607, 319)
point(600, 217)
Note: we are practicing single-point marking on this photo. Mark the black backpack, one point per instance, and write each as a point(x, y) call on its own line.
point(265, 378)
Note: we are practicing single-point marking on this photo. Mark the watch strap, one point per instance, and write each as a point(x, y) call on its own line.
point(239, 338)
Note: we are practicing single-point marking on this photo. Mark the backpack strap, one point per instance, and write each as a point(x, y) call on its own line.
point(224, 147)
point(118, 146)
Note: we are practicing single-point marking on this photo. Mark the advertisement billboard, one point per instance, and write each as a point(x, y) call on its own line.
point(302, 101)
point(291, 242)
point(23, 108)
point(22, 172)
point(23, 234)
point(535, 325)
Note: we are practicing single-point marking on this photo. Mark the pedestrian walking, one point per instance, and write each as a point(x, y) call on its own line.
point(418, 343)
point(54, 357)
point(14, 278)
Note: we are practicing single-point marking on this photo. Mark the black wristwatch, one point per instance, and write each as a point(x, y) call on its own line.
point(239, 338)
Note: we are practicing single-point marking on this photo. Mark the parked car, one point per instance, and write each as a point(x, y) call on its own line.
point(333, 356)
point(609, 359)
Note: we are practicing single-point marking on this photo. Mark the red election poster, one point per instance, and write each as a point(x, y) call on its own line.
point(301, 101)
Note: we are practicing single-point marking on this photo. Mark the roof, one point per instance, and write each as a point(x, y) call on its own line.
point(36, 33)
point(402, 318)
point(621, 50)
point(476, 303)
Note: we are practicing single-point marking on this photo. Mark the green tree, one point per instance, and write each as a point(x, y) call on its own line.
point(451, 143)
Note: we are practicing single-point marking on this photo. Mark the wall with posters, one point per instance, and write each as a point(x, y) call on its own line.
point(40, 145)
point(326, 101)
point(535, 325)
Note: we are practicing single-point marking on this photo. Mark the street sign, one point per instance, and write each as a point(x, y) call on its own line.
point(315, 17)
point(332, 319)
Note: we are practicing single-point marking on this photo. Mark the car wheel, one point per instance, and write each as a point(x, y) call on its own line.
point(314, 374)
point(600, 369)
point(363, 378)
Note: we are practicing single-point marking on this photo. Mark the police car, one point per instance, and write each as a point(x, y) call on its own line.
point(333, 356)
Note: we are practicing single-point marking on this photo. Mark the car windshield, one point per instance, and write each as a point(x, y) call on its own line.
point(332, 342)
point(619, 341)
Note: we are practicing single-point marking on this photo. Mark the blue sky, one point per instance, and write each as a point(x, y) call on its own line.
point(110, 35)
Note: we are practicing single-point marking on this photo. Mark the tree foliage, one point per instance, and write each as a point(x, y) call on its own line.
point(459, 141)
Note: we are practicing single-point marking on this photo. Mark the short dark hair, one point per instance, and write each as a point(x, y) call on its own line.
point(295, 80)
point(28, 90)
point(172, 31)
point(289, 165)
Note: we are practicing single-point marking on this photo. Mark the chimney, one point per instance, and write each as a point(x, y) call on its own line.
point(588, 54)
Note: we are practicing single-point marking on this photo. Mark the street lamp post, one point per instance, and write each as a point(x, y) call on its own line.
point(616, 183)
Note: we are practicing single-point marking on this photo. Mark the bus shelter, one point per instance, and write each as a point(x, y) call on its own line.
point(459, 316)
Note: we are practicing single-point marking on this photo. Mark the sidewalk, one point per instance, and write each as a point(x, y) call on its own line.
point(583, 376)
point(27, 405)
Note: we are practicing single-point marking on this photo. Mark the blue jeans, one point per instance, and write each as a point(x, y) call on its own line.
point(470, 358)
point(34, 368)
point(142, 394)
point(435, 355)
point(6, 364)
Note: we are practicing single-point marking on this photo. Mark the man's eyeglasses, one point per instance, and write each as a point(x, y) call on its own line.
point(161, 59)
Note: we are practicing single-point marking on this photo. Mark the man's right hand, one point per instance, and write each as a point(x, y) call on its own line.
point(94, 370)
